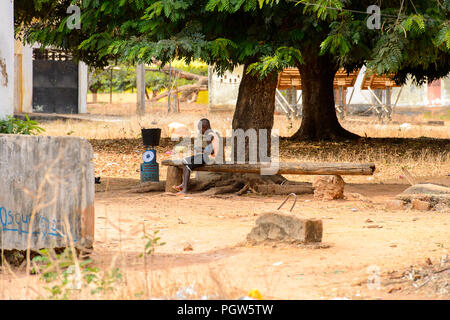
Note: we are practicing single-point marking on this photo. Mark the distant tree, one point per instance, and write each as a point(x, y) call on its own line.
point(144, 30)
point(97, 82)
point(413, 41)
point(318, 37)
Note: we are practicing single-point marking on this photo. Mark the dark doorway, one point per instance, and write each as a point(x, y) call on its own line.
point(55, 82)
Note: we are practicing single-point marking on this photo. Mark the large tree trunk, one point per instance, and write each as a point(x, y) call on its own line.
point(255, 106)
point(319, 120)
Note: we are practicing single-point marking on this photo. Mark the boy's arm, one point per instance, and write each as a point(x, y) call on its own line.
point(216, 144)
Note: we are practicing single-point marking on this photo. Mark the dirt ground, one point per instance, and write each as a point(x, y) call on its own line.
point(217, 227)
point(361, 238)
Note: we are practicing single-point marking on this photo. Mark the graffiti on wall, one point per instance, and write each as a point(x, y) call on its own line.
point(11, 221)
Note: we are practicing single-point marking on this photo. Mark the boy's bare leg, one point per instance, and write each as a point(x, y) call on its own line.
point(186, 177)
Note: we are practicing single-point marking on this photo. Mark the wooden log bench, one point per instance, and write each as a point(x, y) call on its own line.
point(175, 169)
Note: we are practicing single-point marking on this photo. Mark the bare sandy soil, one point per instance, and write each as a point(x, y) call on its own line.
point(217, 228)
point(360, 235)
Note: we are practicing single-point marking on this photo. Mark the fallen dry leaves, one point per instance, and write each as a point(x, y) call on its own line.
point(425, 156)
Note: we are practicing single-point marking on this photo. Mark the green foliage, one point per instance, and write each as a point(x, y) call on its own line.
point(153, 242)
point(67, 277)
point(12, 125)
point(196, 67)
point(414, 23)
point(283, 58)
point(106, 283)
point(174, 10)
point(443, 37)
point(221, 48)
point(225, 33)
point(235, 5)
point(389, 53)
point(413, 41)
point(59, 271)
point(323, 8)
point(124, 77)
point(338, 41)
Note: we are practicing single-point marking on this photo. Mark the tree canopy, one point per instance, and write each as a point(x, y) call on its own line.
point(317, 36)
point(414, 38)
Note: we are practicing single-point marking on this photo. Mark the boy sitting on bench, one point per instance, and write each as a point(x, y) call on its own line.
point(207, 155)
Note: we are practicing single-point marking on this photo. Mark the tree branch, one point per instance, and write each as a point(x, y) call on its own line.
point(186, 88)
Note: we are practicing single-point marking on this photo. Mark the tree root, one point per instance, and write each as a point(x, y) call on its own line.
point(335, 134)
point(238, 183)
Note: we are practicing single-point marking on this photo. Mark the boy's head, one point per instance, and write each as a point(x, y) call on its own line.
point(204, 125)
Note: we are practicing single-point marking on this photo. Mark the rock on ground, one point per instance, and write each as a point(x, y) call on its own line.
point(328, 187)
point(395, 205)
point(420, 205)
point(426, 197)
point(427, 188)
point(286, 228)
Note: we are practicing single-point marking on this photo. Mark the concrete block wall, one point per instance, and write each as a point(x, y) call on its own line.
point(47, 188)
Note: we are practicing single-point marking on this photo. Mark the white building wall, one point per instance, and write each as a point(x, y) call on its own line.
point(223, 90)
point(358, 97)
point(6, 58)
point(445, 84)
point(411, 94)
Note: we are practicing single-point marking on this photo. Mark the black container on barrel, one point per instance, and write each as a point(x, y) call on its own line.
point(151, 137)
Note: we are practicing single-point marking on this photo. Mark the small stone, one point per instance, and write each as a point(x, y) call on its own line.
point(188, 247)
point(420, 205)
point(374, 226)
point(329, 187)
point(369, 220)
point(394, 289)
point(395, 205)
